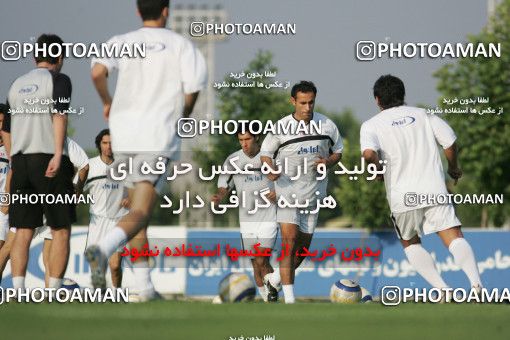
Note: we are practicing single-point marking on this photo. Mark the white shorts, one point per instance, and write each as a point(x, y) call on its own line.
point(136, 161)
point(305, 222)
point(265, 235)
point(4, 226)
point(98, 228)
point(424, 221)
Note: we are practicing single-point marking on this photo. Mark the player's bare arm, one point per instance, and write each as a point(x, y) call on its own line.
point(219, 196)
point(189, 103)
point(371, 157)
point(82, 177)
point(333, 159)
point(59, 133)
point(269, 162)
point(451, 156)
point(99, 77)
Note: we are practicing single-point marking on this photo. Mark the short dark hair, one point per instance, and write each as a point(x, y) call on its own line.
point(48, 39)
point(99, 138)
point(390, 90)
point(303, 86)
point(3, 108)
point(151, 9)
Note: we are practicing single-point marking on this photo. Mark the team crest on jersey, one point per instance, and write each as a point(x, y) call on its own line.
point(404, 121)
point(29, 89)
point(308, 149)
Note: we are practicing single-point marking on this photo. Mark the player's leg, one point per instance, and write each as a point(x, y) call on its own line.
point(304, 240)
point(462, 253)
point(141, 266)
point(58, 256)
point(442, 220)
point(408, 225)
point(46, 260)
point(289, 232)
point(115, 263)
point(142, 196)
point(5, 251)
point(19, 256)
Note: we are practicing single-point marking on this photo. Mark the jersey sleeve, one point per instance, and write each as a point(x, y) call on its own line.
point(226, 180)
point(368, 138)
point(269, 145)
point(4, 108)
point(62, 90)
point(111, 63)
point(443, 133)
point(338, 145)
point(77, 155)
point(193, 68)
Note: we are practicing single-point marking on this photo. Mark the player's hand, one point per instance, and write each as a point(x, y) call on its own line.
point(125, 203)
point(271, 196)
point(216, 199)
point(273, 177)
point(53, 166)
point(455, 173)
point(106, 111)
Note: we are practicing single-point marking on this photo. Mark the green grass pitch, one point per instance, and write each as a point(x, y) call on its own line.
point(204, 321)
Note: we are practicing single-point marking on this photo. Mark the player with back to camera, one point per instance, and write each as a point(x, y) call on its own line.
point(406, 138)
point(259, 227)
point(40, 161)
point(151, 94)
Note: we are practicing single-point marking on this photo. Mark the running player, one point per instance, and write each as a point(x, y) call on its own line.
point(406, 138)
point(312, 148)
point(152, 93)
point(260, 226)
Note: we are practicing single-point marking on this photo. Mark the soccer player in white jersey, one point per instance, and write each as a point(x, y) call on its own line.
point(152, 94)
point(406, 138)
point(260, 226)
point(110, 199)
point(80, 161)
point(314, 148)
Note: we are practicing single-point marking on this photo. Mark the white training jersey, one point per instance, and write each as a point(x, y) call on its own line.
point(4, 168)
point(249, 184)
point(108, 194)
point(298, 148)
point(149, 97)
point(406, 138)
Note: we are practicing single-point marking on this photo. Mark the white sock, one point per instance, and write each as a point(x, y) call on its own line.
point(263, 292)
point(113, 240)
point(143, 282)
point(275, 278)
point(55, 283)
point(288, 293)
point(465, 259)
point(424, 264)
point(18, 282)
